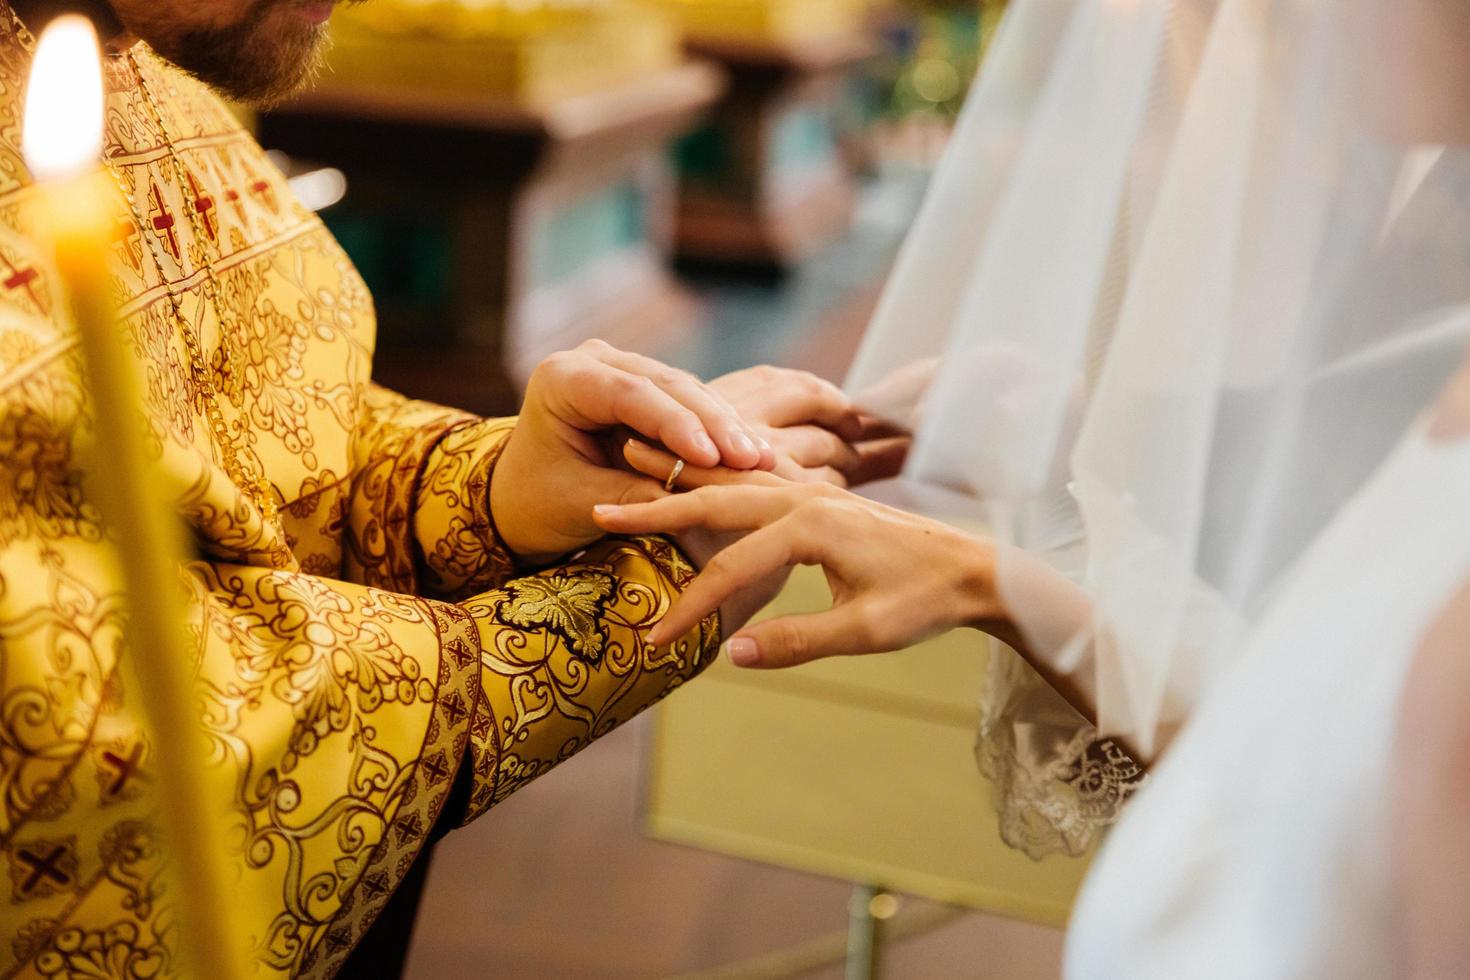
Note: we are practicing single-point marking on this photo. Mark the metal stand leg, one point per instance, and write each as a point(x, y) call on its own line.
point(866, 912)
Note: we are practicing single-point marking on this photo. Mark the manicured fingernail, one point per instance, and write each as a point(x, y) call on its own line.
point(743, 652)
point(655, 636)
point(744, 443)
point(607, 510)
point(705, 444)
point(766, 447)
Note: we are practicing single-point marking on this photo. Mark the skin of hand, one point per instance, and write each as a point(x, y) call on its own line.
point(1429, 851)
point(818, 434)
point(701, 544)
point(896, 578)
point(556, 466)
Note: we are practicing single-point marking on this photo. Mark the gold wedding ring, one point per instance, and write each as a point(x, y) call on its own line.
point(674, 477)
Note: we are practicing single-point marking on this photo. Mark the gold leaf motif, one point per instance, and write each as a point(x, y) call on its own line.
point(569, 605)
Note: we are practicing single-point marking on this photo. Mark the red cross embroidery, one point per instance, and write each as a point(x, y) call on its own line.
point(46, 865)
point(204, 207)
point(462, 654)
point(124, 769)
point(454, 707)
point(409, 828)
point(21, 277)
point(163, 221)
point(435, 767)
point(233, 196)
point(263, 190)
point(125, 238)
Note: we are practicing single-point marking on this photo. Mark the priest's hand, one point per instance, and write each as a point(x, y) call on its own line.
point(562, 458)
point(896, 578)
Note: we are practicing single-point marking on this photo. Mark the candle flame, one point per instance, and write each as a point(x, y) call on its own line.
point(62, 134)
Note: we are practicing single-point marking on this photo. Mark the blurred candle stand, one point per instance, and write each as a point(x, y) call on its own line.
point(75, 208)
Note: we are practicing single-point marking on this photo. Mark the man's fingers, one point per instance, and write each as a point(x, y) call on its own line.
point(739, 445)
point(799, 398)
point(744, 564)
point(793, 640)
point(592, 395)
point(812, 447)
point(824, 475)
point(634, 490)
point(880, 459)
point(619, 488)
point(878, 428)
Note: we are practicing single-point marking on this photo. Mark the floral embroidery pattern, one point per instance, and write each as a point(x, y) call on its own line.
point(569, 606)
point(339, 693)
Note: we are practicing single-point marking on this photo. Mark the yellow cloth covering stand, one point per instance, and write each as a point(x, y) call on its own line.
point(766, 21)
point(525, 54)
point(859, 768)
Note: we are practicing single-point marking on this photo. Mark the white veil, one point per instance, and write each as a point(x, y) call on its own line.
point(1191, 311)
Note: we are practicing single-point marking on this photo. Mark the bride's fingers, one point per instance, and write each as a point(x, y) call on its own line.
point(725, 508)
point(793, 640)
point(743, 565)
point(649, 461)
point(658, 464)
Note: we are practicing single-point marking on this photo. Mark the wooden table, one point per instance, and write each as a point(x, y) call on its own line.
point(535, 228)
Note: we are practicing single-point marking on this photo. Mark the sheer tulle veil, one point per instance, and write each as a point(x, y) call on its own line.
point(1188, 273)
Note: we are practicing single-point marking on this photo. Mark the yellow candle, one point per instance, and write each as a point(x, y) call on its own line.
point(62, 142)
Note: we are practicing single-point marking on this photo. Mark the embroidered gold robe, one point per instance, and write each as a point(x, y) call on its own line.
point(350, 652)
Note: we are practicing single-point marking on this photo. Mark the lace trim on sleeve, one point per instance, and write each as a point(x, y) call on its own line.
point(1058, 784)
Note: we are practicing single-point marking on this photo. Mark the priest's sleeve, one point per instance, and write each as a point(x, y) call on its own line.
point(419, 514)
point(341, 711)
point(359, 705)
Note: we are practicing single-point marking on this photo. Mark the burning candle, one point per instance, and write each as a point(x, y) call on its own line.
point(62, 143)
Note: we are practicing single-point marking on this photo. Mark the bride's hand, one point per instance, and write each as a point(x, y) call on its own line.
point(817, 433)
point(701, 544)
point(896, 578)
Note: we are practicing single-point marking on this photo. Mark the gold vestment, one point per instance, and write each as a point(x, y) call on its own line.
point(350, 650)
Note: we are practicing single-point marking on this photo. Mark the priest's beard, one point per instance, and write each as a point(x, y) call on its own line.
point(261, 58)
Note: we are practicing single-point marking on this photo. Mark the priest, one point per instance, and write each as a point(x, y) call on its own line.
point(399, 613)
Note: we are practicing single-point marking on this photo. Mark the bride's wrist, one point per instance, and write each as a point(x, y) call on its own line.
point(979, 592)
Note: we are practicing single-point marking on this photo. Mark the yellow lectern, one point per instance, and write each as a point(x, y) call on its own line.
point(859, 768)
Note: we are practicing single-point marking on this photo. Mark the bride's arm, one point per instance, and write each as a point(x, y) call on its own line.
point(896, 578)
point(1430, 804)
point(1057, 613)
point(1430, 798)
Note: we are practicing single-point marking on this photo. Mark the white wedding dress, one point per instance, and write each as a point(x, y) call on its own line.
point(1259, 849)
point(1212, 265)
